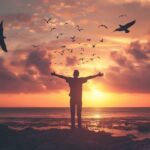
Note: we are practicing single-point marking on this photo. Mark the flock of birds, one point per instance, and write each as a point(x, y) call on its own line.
point(65, 49)
point(73, 39)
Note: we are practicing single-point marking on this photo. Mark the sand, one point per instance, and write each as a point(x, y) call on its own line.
point(66, 139)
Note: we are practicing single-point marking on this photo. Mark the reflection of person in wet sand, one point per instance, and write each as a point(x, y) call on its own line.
point(75, 84)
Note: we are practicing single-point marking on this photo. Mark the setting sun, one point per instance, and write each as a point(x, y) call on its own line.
point(97, 94)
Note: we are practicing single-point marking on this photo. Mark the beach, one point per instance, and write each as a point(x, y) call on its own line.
point(66, 139)
point(49, 129)
point(117, 121)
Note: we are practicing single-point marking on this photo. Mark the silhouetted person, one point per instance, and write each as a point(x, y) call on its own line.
point(75, 84)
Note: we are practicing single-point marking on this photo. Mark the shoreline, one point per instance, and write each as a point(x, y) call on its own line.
point(67, 139)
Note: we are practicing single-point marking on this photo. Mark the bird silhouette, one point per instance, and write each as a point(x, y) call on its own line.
point(2, 37)
point(93, 45)
point(125, 27)
point(101, 40)
point(88, 39)
point(78, 28)
point(53, 29)
point(35, 46)
point(63, 46)
point(47, 20)
point(61, 34)
point(73, 38)
point(122, 15)
point(58, 35)
point(66, 23)
point(102, 25)
point(70, 50)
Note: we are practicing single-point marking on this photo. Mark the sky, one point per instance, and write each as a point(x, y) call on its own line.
point(35, 51)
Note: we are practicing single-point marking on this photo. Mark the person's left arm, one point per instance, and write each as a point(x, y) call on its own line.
point(94, 76)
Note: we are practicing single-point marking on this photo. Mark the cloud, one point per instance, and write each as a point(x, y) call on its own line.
point(118, 58)
point(30, 74)
point(40, 60)
point(130, 74)
point(13, 83)
point(138, 51)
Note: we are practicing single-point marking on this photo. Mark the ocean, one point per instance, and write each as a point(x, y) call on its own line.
point(118, 121)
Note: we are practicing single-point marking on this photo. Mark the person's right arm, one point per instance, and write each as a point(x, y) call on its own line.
point(57, 75)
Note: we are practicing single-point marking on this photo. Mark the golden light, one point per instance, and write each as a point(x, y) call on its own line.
point(97, 116)
point(93, 97)
point(96, 94)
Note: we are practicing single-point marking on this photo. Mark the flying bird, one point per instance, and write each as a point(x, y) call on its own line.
point(93, 45)
point(47, 20)
point(63, 46)
point(66, 23)
point(53, 29)
point(61, 34)
point(122, 15)
point(102, 25)
point(78, 28)
point(73, 38)
point(70, 50)
point(2, 37)
point(125, 27)
point(101, 40)
point(58, 35)
point(35, 45)
point(88, 39)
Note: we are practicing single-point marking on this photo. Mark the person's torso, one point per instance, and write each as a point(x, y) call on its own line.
point(75, 87)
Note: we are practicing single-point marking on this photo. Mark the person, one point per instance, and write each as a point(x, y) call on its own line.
point(75, 84)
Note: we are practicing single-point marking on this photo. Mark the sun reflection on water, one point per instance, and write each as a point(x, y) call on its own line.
point(97, 116)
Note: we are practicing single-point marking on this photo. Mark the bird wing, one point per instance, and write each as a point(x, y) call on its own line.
point(130, 24)
point(49, 19)
point(105, 26)
point(1, 28)
point(3, 45)
point(123, 15)
point(117, 29)
point(45, 20)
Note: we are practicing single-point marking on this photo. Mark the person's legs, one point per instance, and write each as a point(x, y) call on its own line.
point(79, 110)
point(72, 110)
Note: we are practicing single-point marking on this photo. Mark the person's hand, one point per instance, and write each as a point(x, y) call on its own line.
point(100, 74)
point(53, 73)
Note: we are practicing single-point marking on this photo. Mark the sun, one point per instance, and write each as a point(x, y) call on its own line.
point(94, 97)
point(97, 94)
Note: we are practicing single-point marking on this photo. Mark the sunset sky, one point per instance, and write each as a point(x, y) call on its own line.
point(34, 52)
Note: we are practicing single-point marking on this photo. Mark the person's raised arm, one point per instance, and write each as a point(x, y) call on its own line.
point(94, 76)
point(57, 75)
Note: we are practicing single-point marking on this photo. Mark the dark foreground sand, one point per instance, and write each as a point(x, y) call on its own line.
point(65, 139)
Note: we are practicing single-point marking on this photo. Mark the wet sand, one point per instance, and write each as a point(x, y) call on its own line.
point(66, 139)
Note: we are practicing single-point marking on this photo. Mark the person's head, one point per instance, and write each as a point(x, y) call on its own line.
point(76, 73)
